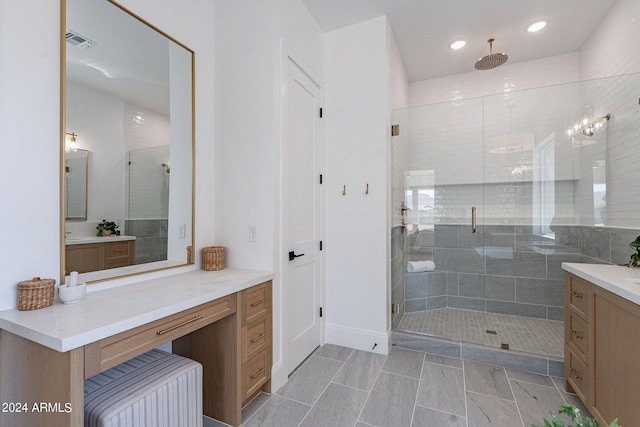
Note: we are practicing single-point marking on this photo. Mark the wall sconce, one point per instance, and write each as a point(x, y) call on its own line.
point(70, 142)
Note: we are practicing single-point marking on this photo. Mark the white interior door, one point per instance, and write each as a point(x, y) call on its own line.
point(302, 218)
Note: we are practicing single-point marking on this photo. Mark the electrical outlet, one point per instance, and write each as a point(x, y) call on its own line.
point(253, 234)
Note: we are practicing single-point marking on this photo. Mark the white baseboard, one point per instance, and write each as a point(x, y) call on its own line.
point(278, 377)
point(361, 339)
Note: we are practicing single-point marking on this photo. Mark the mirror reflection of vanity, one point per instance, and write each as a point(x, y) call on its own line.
point(129, 105)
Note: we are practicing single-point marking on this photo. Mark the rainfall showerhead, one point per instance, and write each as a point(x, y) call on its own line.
point(492, 60)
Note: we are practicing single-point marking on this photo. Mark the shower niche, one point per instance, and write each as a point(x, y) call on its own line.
point(499, 191)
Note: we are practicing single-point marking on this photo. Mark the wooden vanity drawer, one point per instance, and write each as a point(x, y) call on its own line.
point(111, 351)
point(577, 374)
point(576, 295)
point(255, 373)
point(255, 337)
point(256, 302)
point(117, 250)
point(577, 333)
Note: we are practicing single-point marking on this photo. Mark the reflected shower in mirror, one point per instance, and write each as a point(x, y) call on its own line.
point(129, 93)
point(76, 172)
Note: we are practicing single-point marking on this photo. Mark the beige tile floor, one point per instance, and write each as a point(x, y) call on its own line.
point(339, 386)
point(538, 336)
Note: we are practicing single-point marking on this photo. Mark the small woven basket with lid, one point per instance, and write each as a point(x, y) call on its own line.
point(213, 258)
point(35, 293)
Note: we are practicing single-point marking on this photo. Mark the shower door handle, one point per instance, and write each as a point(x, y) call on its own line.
point(473, 219)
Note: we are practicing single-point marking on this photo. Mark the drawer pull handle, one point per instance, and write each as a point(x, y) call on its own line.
point(119, 250)
point(253, 304)
point(258, 338)
point(575, 334)
point(574, 374)
point(186, 322)
point(575, 294)
point(254, 376)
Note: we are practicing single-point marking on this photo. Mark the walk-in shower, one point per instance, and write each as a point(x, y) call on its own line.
point(500, 190)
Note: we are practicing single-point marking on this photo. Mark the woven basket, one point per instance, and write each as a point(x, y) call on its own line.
point(213, 258)
point(35, 293)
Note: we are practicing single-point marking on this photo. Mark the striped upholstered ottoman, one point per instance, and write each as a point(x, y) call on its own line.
point(156, 389)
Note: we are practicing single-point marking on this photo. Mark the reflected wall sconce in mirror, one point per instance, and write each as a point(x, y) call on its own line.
point(70, 142)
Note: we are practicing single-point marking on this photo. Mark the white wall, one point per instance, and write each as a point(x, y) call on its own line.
point(30, 126)
point(253, 39)
point(356, 129)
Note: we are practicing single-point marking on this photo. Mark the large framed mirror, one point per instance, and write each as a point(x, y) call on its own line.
point(128, 107)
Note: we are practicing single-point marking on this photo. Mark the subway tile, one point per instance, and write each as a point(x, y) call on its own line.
point(471, 285)
point(468, 239)
point(554, 264)
point(540, 291)
point(500, 236)
point(517, 309)
point(502, 288)
point(620, 239)
point(415, 285)
point(436, 302)
point(458, 260)
point(521, 264)
point(452, 284)
point(412, 305)
point(555, 313)
point(477, 304)
point(446, 236)
point(596, 243)
point(436, 284)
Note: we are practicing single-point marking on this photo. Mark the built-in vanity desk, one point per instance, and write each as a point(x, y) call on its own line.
point(602, 339)
point(209, 316)
point(99, 253)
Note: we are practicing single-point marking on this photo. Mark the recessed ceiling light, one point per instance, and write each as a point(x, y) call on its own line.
point(458, 44)
point(536, 27)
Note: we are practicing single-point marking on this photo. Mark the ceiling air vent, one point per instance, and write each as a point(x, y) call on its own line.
point(75, 39)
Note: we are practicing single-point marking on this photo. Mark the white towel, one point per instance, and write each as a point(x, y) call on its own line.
point(420, 266)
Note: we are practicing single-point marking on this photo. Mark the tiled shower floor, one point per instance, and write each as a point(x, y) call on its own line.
point(531, 335)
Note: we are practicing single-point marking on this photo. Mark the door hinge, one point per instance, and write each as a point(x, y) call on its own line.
point(395, 130)
point(320, 311)
point(320, 112)
point(320, 244)
point(320, 178)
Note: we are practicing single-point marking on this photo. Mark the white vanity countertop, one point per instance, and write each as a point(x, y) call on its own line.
point(620, 280)
point(96, 239)
point(101, 314)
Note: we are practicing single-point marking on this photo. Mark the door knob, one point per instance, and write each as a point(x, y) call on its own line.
point(292, 255)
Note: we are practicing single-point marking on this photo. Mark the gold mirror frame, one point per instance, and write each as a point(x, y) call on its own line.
point(63, 119)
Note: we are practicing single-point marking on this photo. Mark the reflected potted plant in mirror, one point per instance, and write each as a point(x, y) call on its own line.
point(107, 228)
point(635, 258)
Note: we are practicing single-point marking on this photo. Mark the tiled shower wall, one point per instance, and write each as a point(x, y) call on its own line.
point(515, 272)
point(151, 238)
